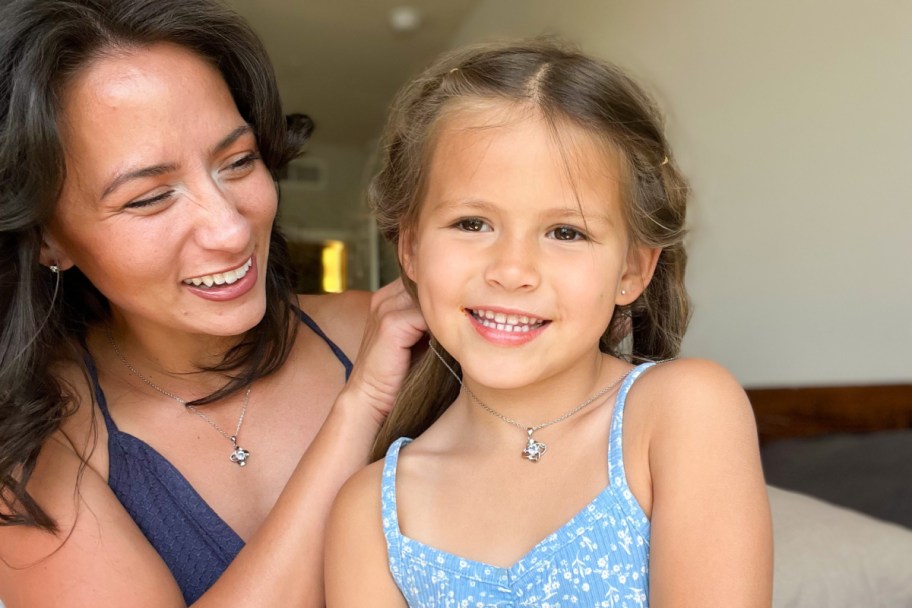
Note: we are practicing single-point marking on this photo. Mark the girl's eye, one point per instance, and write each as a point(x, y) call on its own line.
point(473, 224)
point(148, 202)
point(566, 233)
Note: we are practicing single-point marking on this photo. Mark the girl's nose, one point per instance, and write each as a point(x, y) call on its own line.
point(513, 265)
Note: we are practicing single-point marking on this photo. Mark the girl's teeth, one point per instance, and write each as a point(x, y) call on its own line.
point(506, 322)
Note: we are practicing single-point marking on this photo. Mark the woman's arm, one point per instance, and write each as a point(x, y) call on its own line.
point(100, 558)
point(711, 529)
point(357, 568)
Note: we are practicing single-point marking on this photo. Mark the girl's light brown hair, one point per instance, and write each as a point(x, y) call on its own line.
point(562, 85)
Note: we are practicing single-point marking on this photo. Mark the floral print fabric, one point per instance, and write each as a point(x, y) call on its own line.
point(599, 558)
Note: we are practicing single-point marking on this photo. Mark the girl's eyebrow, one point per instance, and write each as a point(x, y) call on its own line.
point(155, 170)
point(554, 214)
point(576, 214)
point(472, 203)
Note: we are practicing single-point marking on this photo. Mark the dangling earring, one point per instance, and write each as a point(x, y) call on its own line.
point(54, 268)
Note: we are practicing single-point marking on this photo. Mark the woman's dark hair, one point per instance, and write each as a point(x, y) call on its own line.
point(44, 44)
point(564, 86)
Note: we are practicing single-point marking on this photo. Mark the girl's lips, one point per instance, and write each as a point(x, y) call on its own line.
point(509, 329)
point(227, 291)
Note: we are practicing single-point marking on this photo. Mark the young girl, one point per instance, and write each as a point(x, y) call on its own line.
point(539, 218)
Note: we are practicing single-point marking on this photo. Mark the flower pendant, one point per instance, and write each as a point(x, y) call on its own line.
point(534, 449)
point(239, 455)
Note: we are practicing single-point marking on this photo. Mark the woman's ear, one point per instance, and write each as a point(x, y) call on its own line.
point(641, 264)
point(51, 253)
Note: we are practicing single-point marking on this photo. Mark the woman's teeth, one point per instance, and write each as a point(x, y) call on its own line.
point(223, 278)
point(506, 322)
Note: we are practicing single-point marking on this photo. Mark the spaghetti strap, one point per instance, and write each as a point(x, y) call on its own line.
point(617, 474)
point(340, 355)
point(99, 394)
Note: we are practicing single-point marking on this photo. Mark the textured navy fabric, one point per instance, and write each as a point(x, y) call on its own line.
point(195, 543)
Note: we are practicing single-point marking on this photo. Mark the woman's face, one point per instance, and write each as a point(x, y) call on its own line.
point(166, 206)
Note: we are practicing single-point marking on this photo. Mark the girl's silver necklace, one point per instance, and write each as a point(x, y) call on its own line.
point(534, 450)
point(238, 455)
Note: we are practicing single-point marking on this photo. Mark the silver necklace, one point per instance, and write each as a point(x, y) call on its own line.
point(238, 455)
point(534, 450)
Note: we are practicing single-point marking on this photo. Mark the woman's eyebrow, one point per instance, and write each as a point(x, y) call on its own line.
point(155, 170)
point(123, 178)
point(231, 138)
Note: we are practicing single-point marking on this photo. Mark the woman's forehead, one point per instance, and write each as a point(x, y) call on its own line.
point(147, 105)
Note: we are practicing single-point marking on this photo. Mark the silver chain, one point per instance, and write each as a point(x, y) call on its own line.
point(528, 429)
point(236, 456)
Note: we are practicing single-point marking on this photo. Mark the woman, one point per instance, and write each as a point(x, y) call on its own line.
point(173, 428)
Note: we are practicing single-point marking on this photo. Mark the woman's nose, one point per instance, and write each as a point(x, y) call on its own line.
point(221, 225)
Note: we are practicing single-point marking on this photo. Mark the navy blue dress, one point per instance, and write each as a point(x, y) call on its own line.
point(195, 543)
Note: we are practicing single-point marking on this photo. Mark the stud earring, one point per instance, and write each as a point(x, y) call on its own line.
point(623, 292)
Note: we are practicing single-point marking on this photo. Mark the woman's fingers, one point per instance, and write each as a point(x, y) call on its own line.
point(394, 327)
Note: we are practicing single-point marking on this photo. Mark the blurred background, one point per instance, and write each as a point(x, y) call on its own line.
point(791, 119)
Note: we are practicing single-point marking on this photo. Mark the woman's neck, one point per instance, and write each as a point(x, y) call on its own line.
point(168, 359)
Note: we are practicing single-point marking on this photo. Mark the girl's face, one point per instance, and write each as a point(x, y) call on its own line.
point(164, 194)
point(521, 252)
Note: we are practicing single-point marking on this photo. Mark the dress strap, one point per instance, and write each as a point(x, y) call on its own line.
point(616, 471)
point(388, 507)
point(99, 394)
point(340, 355)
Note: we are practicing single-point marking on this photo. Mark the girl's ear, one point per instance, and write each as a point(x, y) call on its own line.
point(641, 264)
point(51, 253)
point(405, 250)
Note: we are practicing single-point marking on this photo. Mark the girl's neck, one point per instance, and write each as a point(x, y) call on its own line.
point(545, 400)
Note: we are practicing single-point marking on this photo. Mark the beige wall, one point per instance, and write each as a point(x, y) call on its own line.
point(793, 121)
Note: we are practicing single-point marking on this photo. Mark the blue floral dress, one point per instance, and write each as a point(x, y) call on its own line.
point(599, 558)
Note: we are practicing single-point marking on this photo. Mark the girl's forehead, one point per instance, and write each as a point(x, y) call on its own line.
point(497, 155)
point(472, 132)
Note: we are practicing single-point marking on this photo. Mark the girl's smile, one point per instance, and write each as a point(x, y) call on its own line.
point(506, 328)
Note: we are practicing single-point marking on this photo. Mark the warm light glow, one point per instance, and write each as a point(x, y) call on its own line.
point(333, 266)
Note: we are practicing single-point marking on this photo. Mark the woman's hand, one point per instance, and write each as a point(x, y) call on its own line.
point(395, 325)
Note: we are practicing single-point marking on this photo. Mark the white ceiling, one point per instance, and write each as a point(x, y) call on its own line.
point(340, 61)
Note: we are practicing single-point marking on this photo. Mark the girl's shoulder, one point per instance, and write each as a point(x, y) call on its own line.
point(678, 401)
point(356, 545)
point(697, 473)
point(689, 388)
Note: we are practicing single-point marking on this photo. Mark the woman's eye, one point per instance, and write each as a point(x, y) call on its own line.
point(148, 202)
point(473, 224)
point(566, 233)
point(243, 163)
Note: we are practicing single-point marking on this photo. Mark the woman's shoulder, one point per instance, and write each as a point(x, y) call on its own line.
point(93, 534)
point(341, 316)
